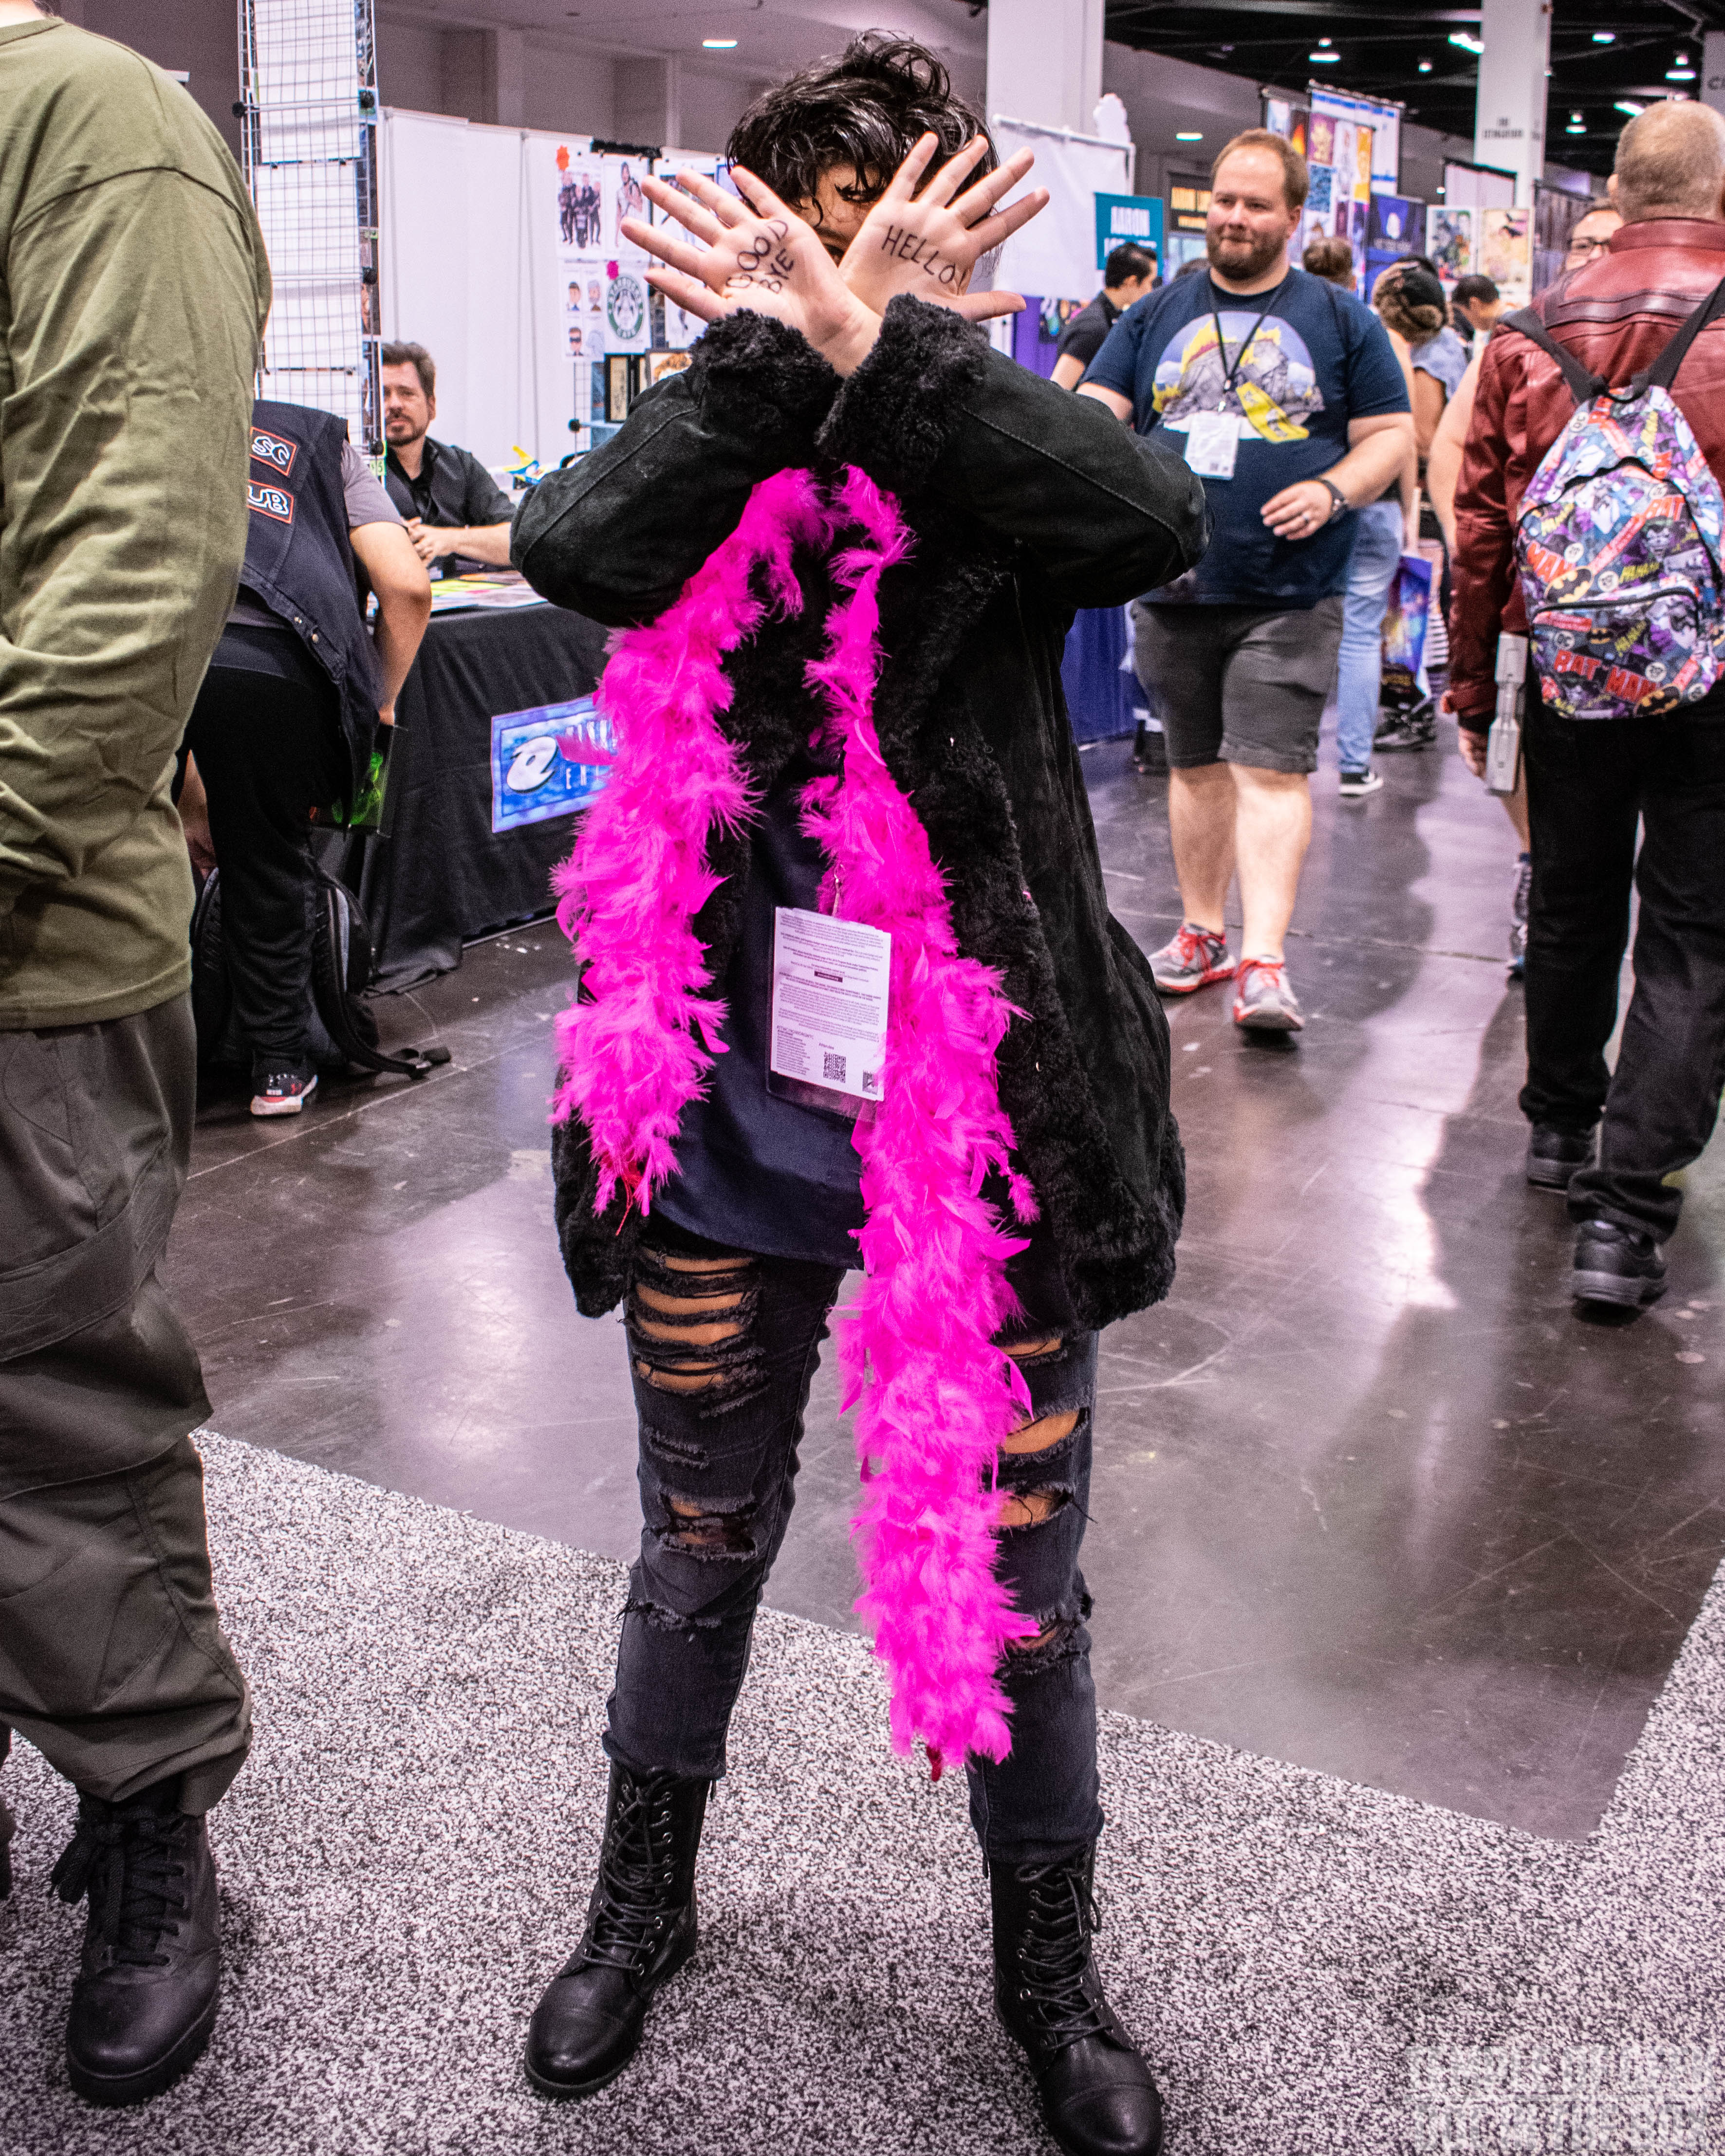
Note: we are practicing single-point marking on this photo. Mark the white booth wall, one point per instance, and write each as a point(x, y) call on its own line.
point(467, 241)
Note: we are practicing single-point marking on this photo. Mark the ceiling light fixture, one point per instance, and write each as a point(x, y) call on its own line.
point(1187, 135)
point(1605, 37)
point(1466, 40)
point(1425, 67)
point(1679, 74)
point(1324, 59)
point(1628, 106)
point(718, 44)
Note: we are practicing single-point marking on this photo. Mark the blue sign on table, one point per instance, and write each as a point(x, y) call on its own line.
point(547, 761)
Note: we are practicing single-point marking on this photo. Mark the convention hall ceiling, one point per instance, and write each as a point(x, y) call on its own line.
point(1602, 51)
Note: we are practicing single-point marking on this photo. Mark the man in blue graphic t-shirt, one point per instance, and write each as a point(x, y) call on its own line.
point(1287, 399)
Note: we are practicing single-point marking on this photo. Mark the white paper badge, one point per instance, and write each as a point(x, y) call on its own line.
point(1212, 443)
point(831, 982)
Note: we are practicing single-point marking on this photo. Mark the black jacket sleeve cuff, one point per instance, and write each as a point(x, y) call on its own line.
point(896, 412)
point(755, 376)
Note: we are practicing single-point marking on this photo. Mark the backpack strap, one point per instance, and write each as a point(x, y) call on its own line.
point(1583, 386)
point(1663, 372)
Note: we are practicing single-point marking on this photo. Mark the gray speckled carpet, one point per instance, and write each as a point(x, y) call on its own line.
point(1313, 1967)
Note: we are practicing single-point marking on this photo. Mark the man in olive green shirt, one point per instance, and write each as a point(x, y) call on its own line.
point(133, 291)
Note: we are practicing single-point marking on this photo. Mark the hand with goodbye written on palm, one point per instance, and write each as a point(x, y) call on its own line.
point(928, 243)
point(758, 253)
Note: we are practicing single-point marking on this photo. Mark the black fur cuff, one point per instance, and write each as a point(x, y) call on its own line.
point(895, 414)
point(754, 375)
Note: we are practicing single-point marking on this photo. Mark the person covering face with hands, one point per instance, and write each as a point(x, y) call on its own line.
point(847, 543)
point(1287, 398)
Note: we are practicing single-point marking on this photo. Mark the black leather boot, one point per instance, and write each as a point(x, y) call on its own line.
point(640, 1930)
point(1097, 2096)
point(147, 1995)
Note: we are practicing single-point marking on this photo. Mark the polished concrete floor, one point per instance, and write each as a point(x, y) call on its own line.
point(1369, 1497)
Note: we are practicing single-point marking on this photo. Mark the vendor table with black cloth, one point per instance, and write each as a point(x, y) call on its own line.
point(441, 877)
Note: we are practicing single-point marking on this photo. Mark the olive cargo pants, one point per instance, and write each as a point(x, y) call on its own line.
point(112, 1662)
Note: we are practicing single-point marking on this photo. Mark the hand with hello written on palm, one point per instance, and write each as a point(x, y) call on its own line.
point(929, 242)
point(756, 254)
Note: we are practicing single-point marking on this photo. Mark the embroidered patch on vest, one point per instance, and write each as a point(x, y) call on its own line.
point(270, 501)
point(273, 449)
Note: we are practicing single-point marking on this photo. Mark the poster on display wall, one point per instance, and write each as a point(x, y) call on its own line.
point(1449, 241)
point(602, 291)
point(1506, 252)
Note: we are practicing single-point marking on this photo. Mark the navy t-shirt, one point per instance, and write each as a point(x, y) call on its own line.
point(1317, 359)
point(755, 1171)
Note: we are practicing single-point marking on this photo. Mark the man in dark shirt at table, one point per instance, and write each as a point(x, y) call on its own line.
point(457, 516)
point(1128, 274)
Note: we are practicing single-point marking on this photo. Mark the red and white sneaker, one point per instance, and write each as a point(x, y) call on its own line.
point(1194, 958)
point(1263, 1001)
point(282, 1092)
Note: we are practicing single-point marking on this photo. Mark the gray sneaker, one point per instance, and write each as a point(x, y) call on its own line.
point(1192, 958)
point(1263, 1001)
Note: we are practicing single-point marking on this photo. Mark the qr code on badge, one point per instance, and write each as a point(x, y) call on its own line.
point(833, 1067)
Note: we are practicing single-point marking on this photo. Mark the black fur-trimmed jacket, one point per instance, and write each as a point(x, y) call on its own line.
point(1027, 502)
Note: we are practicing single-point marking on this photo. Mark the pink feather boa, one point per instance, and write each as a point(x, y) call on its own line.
point(934, 1397)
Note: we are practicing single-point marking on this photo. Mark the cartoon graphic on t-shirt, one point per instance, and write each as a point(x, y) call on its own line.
point(1275, 389)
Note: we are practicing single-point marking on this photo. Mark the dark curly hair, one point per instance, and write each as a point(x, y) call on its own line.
point(866, 109)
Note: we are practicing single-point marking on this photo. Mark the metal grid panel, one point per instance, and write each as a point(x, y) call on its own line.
point(311, 135)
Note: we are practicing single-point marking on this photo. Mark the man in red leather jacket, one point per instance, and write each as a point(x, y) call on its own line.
point(1590, 782)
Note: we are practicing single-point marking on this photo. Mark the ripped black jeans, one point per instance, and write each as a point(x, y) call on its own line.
point(723, 1346)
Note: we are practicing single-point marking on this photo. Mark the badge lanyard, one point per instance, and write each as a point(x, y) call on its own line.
point(1230, 375)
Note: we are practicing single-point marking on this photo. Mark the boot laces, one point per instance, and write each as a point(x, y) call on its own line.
point(637, 1879)
point(1054, 1952)
point(129, 1860)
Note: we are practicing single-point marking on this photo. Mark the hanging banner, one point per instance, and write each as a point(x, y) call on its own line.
point(1053, 255)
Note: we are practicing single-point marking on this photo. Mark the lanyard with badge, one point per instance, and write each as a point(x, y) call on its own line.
point(1212, 437)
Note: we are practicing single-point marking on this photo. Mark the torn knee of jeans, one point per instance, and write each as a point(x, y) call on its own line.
point(661, 1619)
point(1031, 1508)
point(678, 1451)
point(1056, 1642)
point(1043, 1435)
point(1037, 1349)
point(690, 1322)
point(711, 1530)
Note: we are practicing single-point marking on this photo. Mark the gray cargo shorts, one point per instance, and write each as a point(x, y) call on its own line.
point(1238, 684)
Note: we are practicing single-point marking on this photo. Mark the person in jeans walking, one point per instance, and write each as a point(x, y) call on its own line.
point(1287, 399)
point(1593, 784)
point(846, 544)
point(1386, 526)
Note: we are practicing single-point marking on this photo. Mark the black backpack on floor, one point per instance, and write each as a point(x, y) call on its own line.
point(343, 1029)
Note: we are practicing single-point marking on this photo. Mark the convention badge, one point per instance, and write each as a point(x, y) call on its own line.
point(831, 987)
point(1212, 443)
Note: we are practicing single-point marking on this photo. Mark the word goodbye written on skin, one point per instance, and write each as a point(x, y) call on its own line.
point(766, 261)
point(900, 242)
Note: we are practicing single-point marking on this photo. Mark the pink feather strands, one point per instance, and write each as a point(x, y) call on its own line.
point(634, 1051)
point(934, 1397)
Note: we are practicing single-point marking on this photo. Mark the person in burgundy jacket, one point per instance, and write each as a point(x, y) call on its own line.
point(1591, 783)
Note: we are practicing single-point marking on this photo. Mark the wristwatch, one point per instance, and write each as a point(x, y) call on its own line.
point(1340, 504)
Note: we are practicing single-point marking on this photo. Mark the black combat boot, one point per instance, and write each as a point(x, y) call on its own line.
point(1097, 2096)
point(147, 1994)
point(640, 1930)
